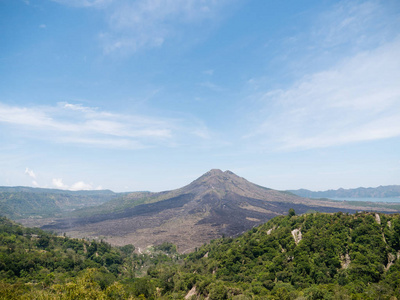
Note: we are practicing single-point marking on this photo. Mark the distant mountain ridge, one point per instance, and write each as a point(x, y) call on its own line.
point(361, 192)
point(27, 202)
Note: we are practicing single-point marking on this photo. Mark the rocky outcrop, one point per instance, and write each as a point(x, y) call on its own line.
point(378, 219)
point(297, 235)
point(345, 261)
point(191, 293)
point(391, 259)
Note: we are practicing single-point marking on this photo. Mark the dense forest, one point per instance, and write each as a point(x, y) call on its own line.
point(310, 256)
point(35, 264)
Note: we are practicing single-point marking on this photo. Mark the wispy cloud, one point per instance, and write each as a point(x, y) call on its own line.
point(149, 23)
point(80, 185)
point(347, 88)
point(343, 30)
point(77, 186)
point(133, 25)
point(212, 86)
point(348, 23)
point(32, 175)
point(58, 183)
point(356, 100)
point(78, 124)
point(85, 3)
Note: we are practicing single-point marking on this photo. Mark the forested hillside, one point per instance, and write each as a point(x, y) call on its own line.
point(35, 264)
point(25, 202)
point(316, 256)
point(310, 256)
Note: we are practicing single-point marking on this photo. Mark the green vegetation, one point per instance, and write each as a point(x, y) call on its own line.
point(23, 202)
point(35, 264)
point(21, 205)
point(310, 256)
point(339, 256)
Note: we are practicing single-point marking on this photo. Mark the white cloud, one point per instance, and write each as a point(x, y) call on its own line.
point(30, 173)
point(137, 24)
point(24, 116)
point(105, 143)
point(58, 183)
point(77, 186)
point(356, 100)
point(78, 124)
point(80, 185)
point(347, 88)
point(345, 29)
point(77, 107)
point(149, 23)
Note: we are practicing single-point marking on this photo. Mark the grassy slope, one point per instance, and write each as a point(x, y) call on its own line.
point(23, 202)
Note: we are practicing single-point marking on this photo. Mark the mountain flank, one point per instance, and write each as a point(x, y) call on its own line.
point(216, 204)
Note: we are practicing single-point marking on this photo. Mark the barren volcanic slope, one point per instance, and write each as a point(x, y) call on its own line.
point(218, 203)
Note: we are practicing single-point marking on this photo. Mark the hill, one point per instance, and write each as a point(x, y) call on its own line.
point(312, 256)
point(309, 256)
point(214, 205)
point(361, 192)
point(24, 202)
point(35, 264)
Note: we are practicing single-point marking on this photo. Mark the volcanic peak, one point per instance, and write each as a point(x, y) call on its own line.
point(216, 178)
point(217, 173)
point(218, 182)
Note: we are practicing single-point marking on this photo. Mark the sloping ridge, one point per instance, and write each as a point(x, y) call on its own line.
point(217, 203)
point(389, 191)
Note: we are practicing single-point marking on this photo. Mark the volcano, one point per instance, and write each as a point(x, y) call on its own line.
point(216, 204)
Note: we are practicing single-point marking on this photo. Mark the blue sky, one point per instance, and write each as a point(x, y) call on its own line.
point(150, 94)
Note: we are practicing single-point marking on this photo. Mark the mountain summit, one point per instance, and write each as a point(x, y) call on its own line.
point(217, 203)
point(220, 182)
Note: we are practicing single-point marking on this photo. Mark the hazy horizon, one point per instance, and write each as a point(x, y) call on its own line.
point(70, 189)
